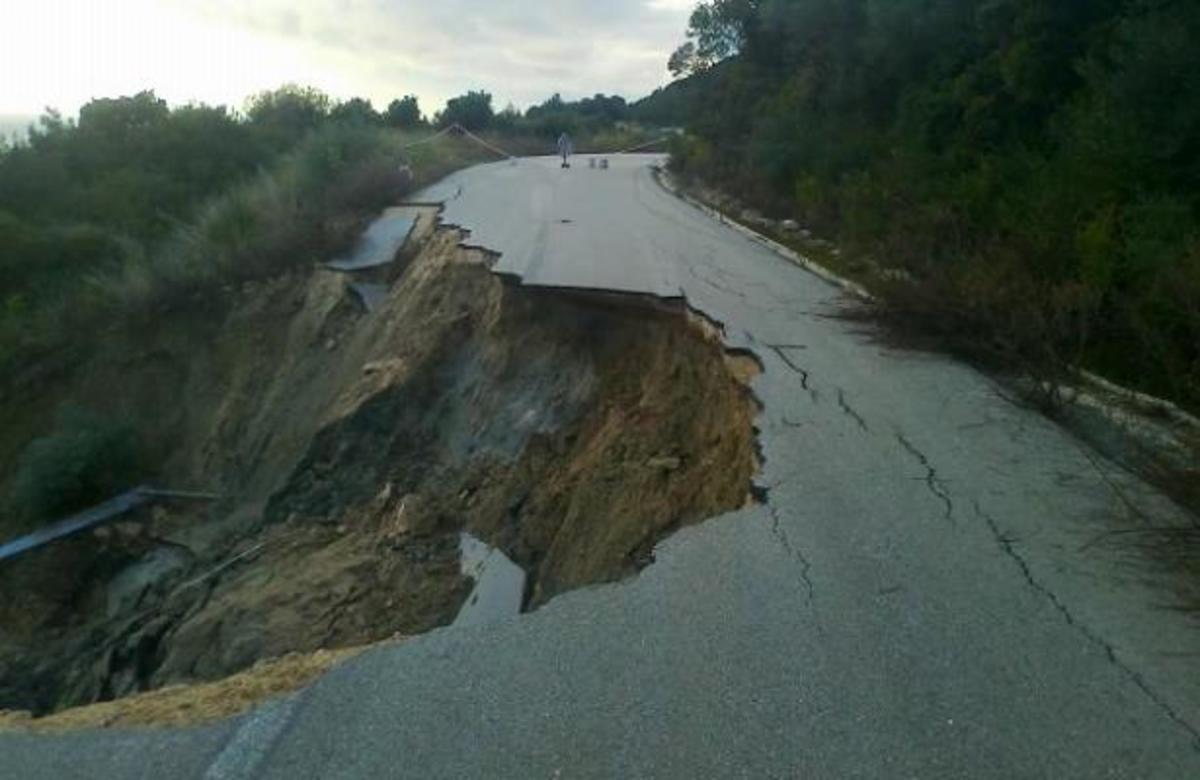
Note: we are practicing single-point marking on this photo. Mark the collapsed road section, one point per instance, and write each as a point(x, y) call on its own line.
point(355, 446)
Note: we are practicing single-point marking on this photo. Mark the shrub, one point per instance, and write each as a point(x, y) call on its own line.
point(87, 459)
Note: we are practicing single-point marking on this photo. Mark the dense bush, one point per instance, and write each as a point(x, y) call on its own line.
point(306, 209)
point(87, 459)
point(1030, 164)
point(136, 206)
point(404, 114)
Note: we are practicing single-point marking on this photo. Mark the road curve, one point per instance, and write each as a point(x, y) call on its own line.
point(917, 598)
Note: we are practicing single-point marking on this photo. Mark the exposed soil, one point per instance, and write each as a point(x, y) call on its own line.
point(184, 705)
point(572, 432)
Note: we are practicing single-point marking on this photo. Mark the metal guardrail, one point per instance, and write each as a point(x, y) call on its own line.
point(95, 517)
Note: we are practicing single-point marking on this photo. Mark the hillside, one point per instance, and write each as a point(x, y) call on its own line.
point(1016, 178)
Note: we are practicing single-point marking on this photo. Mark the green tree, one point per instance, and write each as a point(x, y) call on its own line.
point(404, 113)
point(472, 111)
point(717, 29)
point(356, 111)
point(1035, 160)
point(287, 114)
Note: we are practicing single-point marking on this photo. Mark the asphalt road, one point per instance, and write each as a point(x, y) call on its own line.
point(922, 596)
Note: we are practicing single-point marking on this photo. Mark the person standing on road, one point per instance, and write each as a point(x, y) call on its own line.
point(566, 149)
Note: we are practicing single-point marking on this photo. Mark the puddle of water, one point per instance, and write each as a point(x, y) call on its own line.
point(499, 584)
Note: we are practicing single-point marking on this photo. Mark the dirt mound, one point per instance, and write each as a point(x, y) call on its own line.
point(572, 432)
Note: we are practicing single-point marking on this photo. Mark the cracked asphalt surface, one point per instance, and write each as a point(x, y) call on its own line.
point(918, 597)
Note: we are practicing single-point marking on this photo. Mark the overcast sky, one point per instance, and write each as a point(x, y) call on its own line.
point(62, 53)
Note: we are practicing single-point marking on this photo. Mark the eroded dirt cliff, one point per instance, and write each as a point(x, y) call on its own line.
point(352, 448)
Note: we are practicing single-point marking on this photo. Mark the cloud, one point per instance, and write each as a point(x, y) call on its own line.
point(64, 52)
point(521, 51)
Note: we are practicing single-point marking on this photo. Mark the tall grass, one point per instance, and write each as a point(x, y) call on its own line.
point(307, 208)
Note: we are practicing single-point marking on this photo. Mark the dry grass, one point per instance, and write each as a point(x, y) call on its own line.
point(189, 705)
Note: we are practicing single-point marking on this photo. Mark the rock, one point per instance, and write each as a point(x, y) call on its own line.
point(665, 463)
point(413, 517)
point(383, 367)
point(789, 226)
point(330, 345)
point(806, 234)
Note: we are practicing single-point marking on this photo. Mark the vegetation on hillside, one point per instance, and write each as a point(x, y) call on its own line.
point(137, 208)
point(85, 458)
point(1022, 174)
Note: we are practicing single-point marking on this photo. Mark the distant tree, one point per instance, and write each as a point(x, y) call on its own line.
point(582, 117)
point(717, 29)
point(683, 60)
point(288, 113)
point(115, 130)
point(48, 130)
point(551, 105)
point(200, 150)
point(356, 111)
point(118, 118)
point(472, 110)
point(611, 109)
point(507, 120)
point(404, 114)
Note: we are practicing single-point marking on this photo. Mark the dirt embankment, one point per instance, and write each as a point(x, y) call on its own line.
point(353, 449)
